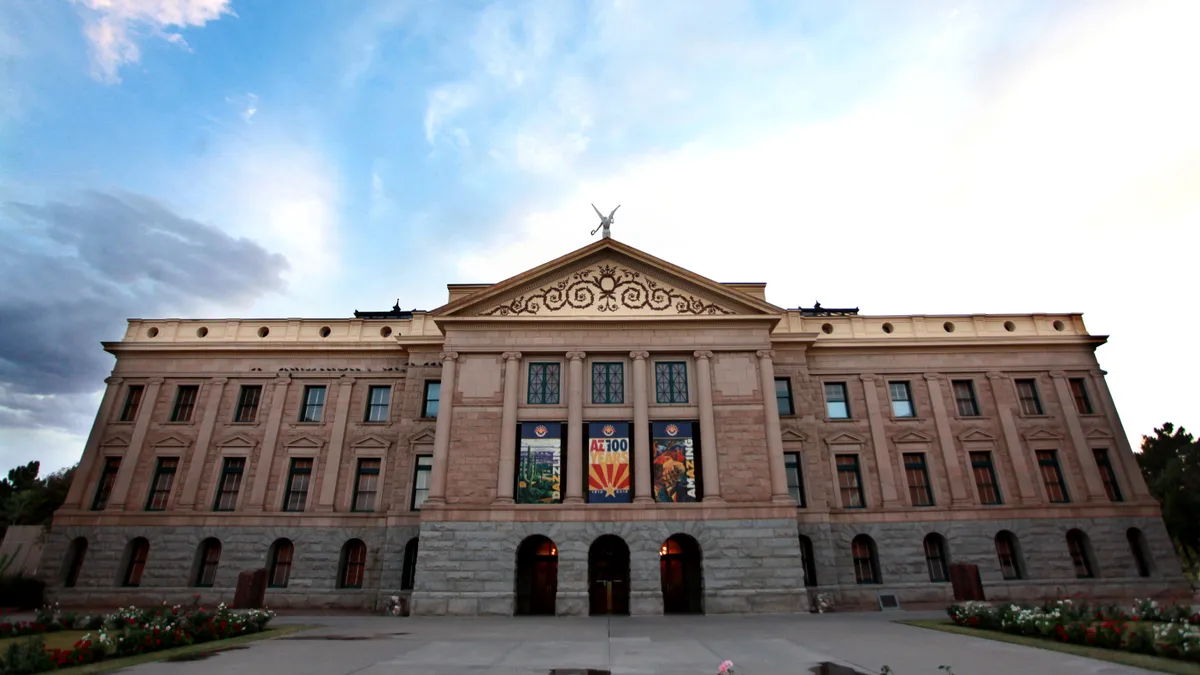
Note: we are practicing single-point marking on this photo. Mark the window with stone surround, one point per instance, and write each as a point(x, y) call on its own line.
point(108, 477)
point(280, 568)
point(354, 564)
point(936, 559)
point(408, 572)
point(964, 398)
point(229, 483)
point(1081, 554)
point(185, 403)
point(299, 475)
point(1027, 394)
point(1052, 477)
point(795, 477)
point(1083, 404)
point(866, 560)
point(544, 383)
point(670, 382)
point(1008, 553)
point(313, 407)
point(1140, 551)
point(1111, 487)
point(608, 383)
point(837, 405)
point(135, 561)
point(783, 396)
point(75, 553)
point(902, 403)
point(919, 490)
point(808, 561)
point(209, 557)
point(850, 482)
point(378, 400)
point(433, 396)
point(247, 406)
point(366, 484)
point(160, 485)
point(985, 478)
point(133, 401)
point(421, 475)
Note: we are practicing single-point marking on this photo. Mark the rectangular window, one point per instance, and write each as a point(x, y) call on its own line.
point(1083, 404)
point(608, 383)
point(378, 400)
point(670, 382)
point(160, 487)
point(421, 476)
point(985, 478)
point(1052, 476)
point(919, 490)
point(964, 398)
point(544, 383)
point(901, 394)
point(850, 482)
point(1028, 395)
point(133, 401)
point(836, 403)
point(783, 396)
point(313, 406)
point(229, 483)
point(795, 477)
point(433, 394)
point(366, 484)
point(107, 478)
point(1111, 487)
point(297, 484)
point(185, 403)
point(247, 407)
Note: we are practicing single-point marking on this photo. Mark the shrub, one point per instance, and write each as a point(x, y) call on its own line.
point(26, 657)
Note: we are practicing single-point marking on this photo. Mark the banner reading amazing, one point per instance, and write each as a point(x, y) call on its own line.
point(674, 467)
point(539, 472)
point(608, 462)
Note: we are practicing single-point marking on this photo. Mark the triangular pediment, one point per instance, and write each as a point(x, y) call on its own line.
point(171, 442)
point(977, 436)
point(606, 279)
point(422, 437)
point(1042, 435)
point(1099, 433)
point(792, 435)
point(371, 441)
point(303, 442)
point(238, 441)
point(912, 437)
point(846, 438)
point(116, 439)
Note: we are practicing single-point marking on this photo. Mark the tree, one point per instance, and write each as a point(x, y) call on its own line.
point(1170, 462)
point(26, 499)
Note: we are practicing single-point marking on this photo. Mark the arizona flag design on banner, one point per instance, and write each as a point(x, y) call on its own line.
point(539, 473)
point(608, 462)
point(673, 472)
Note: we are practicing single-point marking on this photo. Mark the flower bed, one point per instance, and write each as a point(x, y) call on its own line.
point(125, 632)
point(1169, 630)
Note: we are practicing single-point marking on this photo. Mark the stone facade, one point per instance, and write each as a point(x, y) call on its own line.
point(434, 460)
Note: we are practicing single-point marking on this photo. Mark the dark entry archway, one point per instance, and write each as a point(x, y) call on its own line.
point(682, 575)
point(608, 576)
point(537, 575)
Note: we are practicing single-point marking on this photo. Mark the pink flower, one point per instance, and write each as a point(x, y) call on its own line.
point(726, 666)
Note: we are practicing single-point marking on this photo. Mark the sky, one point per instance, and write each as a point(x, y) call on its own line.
point(213, 158)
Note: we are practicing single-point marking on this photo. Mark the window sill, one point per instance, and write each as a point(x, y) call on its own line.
point(375, 424)
point(841, 419)
point(972, 418)
point(309, 424)
point(129, 422)
point(180, 423)
point(909, 419)
point(252, 423)
point(1033, 417)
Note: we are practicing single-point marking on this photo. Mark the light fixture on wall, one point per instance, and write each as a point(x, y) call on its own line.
point(663, 550)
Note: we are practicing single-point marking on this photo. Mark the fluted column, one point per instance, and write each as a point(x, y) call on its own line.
point(766, 374)
point(120, 492)
point(1133, 472)
point(575, 427)
point(954, 473)
point(508, 431)
point(191, 482)
point(1083, 453)
point(333, 460)
point(641, 429)
point(77, 494)
point(441, 442)
point(883, 457)
point(1012, 440)
point(709, 466)
point(266, 454)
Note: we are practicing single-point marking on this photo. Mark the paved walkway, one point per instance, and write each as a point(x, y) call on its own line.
point(695, 645)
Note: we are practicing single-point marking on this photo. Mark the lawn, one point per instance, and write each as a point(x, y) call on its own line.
point(63, 639)
point(1156, 663)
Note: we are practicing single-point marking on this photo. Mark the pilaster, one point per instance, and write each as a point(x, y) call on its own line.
point(191, 482)
point(508, 424)
point(766, 374)
point(1017, 453)
point(120, 492)
point(76, 495)
point(641, 429)
point(883, 459)
point(441, 441)
point(959, 493)
point(337, 441)
point(266, 456)
point(575, 427)
point(709, 467)
point(1083, 453)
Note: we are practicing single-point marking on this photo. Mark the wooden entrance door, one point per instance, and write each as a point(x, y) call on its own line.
point(537, 576)
point(608, 576)
point(680, 571)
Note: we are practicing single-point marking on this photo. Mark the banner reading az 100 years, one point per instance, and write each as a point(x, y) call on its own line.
point(608, 462)
point(539, 472)
point(674, 468)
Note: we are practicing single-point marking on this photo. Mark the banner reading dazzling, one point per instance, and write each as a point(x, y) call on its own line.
point(674, 468)
point(539, 472)
point(608, 459)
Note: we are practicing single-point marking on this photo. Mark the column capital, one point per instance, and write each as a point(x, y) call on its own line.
point(449, 356)
point(283, 379)
point(765, 354)
point(219, 380)
point(702, 354)
point(993, 375)
point(868, 378)
point(576, 356)
point(934, 377)
point(639, 356)
point(511, 356)
point(346, 380)
point(1058, 374)
point(113, 380)
point(155, 380)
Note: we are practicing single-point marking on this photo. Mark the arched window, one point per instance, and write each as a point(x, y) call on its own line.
point(135, 561)
point(935, 557)
point(866, 561)
point(408, 574)
point(808, 561)
point(1141, 552)
point(75, 553)
point(354, 564)
point(1009, 555)
point(209, 556)
point(281, 563)
point(1081, 554)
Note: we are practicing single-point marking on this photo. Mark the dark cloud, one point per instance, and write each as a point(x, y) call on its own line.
point(71, 272)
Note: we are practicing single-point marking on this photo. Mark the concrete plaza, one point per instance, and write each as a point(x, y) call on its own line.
point(758, 645)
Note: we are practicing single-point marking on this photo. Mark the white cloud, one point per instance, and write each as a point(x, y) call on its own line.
point(444, 103)
point(113, 27)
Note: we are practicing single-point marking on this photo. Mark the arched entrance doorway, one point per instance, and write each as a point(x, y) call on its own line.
point(537, 575)
point(679, 567)
point(608, 576)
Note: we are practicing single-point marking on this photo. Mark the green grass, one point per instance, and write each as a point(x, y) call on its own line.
point(1157, 663)
point(63, 639)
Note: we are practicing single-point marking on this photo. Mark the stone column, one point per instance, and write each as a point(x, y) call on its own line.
point(709, 464)
point(191, 482)
point(883, 458)
point(1087, 462)
point(337, 441)
point(766, 374)
point(574, 427)
point(641, 429)
point(77, 494)
point(441, 441)
point(1012, 440)
point(116, 501)
point(959, 494)
point(508, 432)
point(1133, 473)
point(266, 455)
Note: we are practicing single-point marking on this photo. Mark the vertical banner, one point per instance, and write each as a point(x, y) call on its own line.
point(608, 463)
point(674, 468)
point(539, 471)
